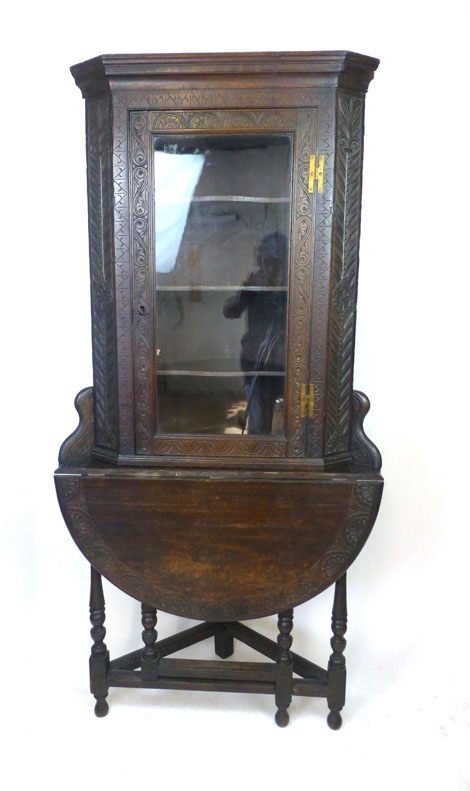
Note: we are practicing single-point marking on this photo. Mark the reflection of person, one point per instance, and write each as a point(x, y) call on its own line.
point(263, 297)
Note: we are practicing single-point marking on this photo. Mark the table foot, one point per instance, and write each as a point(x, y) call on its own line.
point(334, 720)
point(101, 707)
point(282, 718)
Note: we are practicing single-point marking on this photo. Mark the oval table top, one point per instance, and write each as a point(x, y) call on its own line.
point(218, 545)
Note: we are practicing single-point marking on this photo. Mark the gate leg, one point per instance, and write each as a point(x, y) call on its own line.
point(99, 658)
point(283, 695)
point(337, 664)
point(149, 662)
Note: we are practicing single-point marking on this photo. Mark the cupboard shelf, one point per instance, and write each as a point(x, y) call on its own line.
point(222, 288)
point(176, 372)
point(226, 199)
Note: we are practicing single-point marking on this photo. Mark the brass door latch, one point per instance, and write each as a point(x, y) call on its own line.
point(307, 401)
point(316, 173)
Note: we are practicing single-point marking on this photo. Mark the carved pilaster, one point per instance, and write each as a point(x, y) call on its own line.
point(300, 300)
point(321, 275)
point(345, 261)
point(100, 228)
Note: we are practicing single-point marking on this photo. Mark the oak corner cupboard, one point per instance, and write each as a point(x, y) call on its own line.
point(220, 470)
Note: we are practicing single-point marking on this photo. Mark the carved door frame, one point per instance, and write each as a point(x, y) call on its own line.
point(143, 124)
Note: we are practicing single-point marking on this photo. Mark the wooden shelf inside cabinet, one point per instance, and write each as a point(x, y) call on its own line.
point(220, 470)
point(228, 199)
point(255, 289)
point(181, 372)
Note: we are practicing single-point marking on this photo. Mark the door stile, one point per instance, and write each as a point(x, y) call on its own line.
point(300, 306)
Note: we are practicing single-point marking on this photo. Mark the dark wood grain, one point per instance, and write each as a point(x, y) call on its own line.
point(222, 528)
point(121, 678)
point(219, 549)
point(349, 69)
point(319, 98)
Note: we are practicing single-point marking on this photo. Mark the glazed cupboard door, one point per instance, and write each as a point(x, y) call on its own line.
point(222, 219)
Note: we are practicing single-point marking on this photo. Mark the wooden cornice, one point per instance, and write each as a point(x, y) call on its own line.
point(314, 69)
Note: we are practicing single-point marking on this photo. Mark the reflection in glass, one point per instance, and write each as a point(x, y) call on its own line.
point(222, 208)
point(263, 299)
point(195, 404)
point(175, 181)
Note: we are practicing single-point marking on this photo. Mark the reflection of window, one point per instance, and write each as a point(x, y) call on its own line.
point(176, 176)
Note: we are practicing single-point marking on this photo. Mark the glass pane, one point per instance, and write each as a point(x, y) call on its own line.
point(210, 404)
point(222, 212)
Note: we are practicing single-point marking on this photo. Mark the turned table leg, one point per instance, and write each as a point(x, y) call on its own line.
point(337, 663)
point(99, 658)
point(283, 694)
point(149, 636)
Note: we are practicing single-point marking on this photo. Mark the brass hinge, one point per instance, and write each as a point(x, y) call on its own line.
point(307, 401)
point(316, 174)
